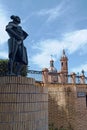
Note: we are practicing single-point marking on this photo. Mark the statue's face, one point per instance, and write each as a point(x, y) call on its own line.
point(16, 22)
point(18, 19)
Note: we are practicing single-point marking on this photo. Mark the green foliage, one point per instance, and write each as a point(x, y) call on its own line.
point(4, 68)
point(69, 126)
point(61, 128)
point(51, 127)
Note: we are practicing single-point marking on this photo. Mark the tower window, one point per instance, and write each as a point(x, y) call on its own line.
point(62, 63)
point(86, 100)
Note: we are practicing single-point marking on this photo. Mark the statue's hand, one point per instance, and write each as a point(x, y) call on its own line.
point(22, 38)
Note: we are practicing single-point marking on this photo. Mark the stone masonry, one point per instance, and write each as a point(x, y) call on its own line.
point(67, 106)
point(23, 105)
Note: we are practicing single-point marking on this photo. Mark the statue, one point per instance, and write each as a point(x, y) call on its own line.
point(17, 50)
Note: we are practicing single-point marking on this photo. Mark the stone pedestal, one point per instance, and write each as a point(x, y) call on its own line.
point(23, 106)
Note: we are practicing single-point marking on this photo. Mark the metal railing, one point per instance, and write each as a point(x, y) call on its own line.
point(37, 75)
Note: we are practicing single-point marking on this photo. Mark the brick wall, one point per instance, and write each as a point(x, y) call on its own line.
point(81, 108)
point(60, 106)
point(65, 109)
point(23, 105)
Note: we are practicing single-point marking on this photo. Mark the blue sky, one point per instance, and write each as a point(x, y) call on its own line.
point(52, 25)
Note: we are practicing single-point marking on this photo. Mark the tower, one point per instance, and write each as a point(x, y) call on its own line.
point(64, 67)
point(52, 69)
point(52, 72)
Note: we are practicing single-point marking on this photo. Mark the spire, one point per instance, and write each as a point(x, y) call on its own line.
point(64, 62)
point(51, 63)
point(64, 67)
point(63, 53)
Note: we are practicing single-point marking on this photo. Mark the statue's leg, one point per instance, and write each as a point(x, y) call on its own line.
point(19, 67)
point(18, 57)
point(10, 66)
point(12, 52)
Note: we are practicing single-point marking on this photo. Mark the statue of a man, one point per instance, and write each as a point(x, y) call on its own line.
point(17, 51)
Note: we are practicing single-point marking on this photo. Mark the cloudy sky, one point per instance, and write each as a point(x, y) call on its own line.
point(52, 25)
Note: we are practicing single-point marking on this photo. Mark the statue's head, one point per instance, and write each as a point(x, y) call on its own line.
point(16, 19)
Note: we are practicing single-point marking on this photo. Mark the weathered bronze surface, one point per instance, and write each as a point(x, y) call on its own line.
point(17, 50)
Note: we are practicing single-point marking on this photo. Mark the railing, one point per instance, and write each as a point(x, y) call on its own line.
point(77, 79)
point(37, 75)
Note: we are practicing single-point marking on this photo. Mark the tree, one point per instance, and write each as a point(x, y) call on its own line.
point(51, 127)
point(4, 68)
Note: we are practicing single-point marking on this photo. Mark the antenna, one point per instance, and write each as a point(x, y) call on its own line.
point(51, 56)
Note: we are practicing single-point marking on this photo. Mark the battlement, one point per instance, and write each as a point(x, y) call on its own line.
point(60, 77)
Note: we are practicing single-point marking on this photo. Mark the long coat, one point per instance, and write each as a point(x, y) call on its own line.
point(17, 51)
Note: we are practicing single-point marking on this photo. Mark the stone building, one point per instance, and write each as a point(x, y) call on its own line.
point(59, 101)
point(51, 75)
point(67, 97)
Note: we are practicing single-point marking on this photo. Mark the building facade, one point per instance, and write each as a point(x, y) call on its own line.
point(59, 101)
point(67, 97)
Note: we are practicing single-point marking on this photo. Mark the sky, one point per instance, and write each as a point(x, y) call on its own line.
point(52, 25)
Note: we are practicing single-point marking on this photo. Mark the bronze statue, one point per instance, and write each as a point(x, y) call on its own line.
point(17, 51)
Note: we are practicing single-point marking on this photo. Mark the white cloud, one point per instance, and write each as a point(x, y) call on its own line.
point(3, 34)
point(53, 13)
point(3, 23)
point(71, 42)
point(41, 59)
point(4, 54)
point(76, 40)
